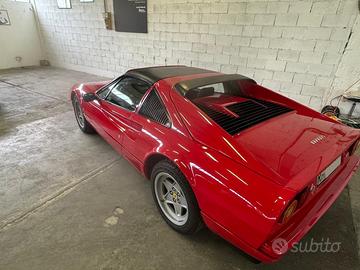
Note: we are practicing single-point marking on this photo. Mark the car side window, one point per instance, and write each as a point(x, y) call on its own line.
point(154, 109)
point(127, 93)
point(218, 87)
point(104, 92)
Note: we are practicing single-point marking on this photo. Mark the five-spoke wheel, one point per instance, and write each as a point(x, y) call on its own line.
point(171, 198)
point(174, 198)
point(84, 125)
point(78, 112)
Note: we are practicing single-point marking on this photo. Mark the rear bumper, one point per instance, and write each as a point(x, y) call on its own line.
point(301, 223)
point(314, 210)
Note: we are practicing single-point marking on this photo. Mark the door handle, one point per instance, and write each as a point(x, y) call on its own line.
point(133, 130)
point(135, 126)
point(127, 121)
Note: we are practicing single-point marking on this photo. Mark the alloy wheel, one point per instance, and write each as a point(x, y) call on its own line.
point(171, 198)
point(79, 113)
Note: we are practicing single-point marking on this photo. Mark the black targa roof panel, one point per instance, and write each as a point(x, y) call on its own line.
point(154, 74)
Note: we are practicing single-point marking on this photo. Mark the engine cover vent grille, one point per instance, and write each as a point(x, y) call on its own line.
point(250, 113)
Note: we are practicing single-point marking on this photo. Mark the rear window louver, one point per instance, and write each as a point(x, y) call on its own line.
point(153, 109)
point(250, 113)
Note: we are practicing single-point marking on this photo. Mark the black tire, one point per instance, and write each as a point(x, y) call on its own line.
point(194, 222)
point(83, 124)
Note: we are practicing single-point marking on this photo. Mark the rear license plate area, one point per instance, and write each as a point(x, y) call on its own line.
point(328, 171)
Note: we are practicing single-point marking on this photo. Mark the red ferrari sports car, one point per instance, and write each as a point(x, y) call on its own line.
point(251, 164)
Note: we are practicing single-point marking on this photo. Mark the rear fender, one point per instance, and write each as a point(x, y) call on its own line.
point(235, 197)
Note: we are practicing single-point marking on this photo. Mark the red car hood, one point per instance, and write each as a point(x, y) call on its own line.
point(286, 149)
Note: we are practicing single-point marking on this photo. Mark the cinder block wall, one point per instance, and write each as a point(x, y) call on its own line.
point(308, 50)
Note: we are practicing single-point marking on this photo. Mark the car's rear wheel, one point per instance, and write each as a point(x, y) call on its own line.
point(84, 125)
point(174, 198)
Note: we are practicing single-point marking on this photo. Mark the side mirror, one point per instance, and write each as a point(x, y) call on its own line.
point(89, 97)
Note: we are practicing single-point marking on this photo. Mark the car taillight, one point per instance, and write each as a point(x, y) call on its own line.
point(289, 211)
point(297, 203)
point(354, 147)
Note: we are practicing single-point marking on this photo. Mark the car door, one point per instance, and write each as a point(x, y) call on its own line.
point(155, 124)
point(120, 104)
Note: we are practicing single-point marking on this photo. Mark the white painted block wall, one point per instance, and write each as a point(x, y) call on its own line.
point(20, 38)
point(303, 49)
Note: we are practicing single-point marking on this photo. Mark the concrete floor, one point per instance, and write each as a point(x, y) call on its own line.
point(68, 201)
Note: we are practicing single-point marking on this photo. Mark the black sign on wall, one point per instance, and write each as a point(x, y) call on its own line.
point(130, 16)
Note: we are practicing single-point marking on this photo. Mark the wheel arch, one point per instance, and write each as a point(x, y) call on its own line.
point(74, 91)
point(151, 161)
point(154, 158)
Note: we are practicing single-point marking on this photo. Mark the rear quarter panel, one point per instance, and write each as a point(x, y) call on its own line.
point(238, 199)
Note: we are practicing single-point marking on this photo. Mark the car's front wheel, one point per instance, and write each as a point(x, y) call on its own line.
point(84, 125)
point(174, 198)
